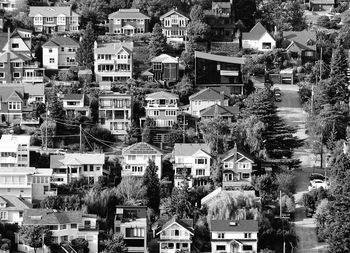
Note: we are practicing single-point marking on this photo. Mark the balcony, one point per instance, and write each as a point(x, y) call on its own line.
point(161, 106)
point(30, 79)
point(53, 192)
point(33, 121)
point(67, 64)
point(236, 184)
point(87, 228)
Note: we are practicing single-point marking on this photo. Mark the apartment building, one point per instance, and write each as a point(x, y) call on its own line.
point(12, 209)
point(14, 150)
point(50, 19)
point(59, 53)
point(72, 166)
point(131, 221)
point(74, 105)
point(115, 111)
point(174, 25)
point(128, 22)
point(113, 61)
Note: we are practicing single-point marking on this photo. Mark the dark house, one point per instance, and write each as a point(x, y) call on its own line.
point(165, 68)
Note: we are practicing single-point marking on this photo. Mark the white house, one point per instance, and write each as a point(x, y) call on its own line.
point(14, 150)
point(136, 159)
point(206, 98)
point(12, 208)
point(258, 38)
point(113, 61)
point(175, 236)
point(191, 162)
point(174, 25)
point(74, 104)
point(72, 166)
point(19, 41)
point(64, 225)
point(59, 53)
point(234, 236)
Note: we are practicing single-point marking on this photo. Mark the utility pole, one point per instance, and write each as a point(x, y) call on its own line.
point(46, 126)
point(184, 128)
point(80, 140)
point(284, 243)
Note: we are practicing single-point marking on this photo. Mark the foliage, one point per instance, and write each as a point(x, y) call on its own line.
point(48, 132)
point(157, 44)
point(116, 244)
point(178, 204)
point(286, 182)
point(131, 191)
point(245, 11)
point(67, 203)
point(85, 54)
point(184, 89)
point(152, 185)
point(324, 21)
point(201, 238)
point(196, 29)
point(101, 136)
point(33, 236)
point(94, 110)
point(101, 201)
point(80, 245)
point(267, 187)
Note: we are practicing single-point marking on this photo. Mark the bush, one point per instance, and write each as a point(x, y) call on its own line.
point(17, 130)
point(324, 21)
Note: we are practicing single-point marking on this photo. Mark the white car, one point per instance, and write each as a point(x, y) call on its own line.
point(318, 183)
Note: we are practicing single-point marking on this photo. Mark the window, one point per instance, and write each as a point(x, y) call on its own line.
point(74, 170)
point(73, 226)
point(3, 215)
point(14, 105)
point(132, 157)
point(87, 223)
point(201, 161)
point(62, 49)
point(16, 64)
point(266, 45)
point(185, 245)
point(85, 168)
point(177, 232)
point(309, 53)
point(200, 172)
point(157, 66)
point(38, 20)
point(61, 20)
point(221, 235)
point(15, 45)
point(52, 60)
point(16, 75)
point(247, 235)
point(221, 247)
point(134, 232)
point(91, 167)
point(49, 19)
point(20, 214)
point(117, 21)
point(2, 65)
point(247, 247)
point(174, 20)
point(170, 113)
point(53, 227)
point(63, 227)
point(245, 175)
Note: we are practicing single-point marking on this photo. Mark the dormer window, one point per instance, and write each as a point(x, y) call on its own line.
point(309, 42)
point(174, 20)
point(3, 205)
point(49, 20)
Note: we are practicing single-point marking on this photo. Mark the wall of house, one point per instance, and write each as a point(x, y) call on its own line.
point(21, 45)
point(197, 105)
point(140, 224)
point(69, 52)
point(47, 55)
point(141, 160)
point(167, 234)
point(189, 162)
point(38, 187)
point(96, 173)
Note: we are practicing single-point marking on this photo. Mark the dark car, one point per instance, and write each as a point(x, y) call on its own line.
point(314, 176)
point(278, 97)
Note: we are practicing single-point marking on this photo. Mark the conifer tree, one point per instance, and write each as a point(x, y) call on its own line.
point(157, 44)
point(85, 52)
point(152, 184)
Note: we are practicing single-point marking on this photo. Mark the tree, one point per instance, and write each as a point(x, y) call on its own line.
point(94, 110)
point(131, 191)
point(48, 131)
point(339, 64)
point(179, 204)
point(158, 43)
point(196, 28)
point(267, 187)
point(245, 10)
point(101, 137)
point(324, 21)
point(116, 244)
point(85, 52)
point(33, 236)
point(93, 11)
point(152, 185)
point(56, 108)
point(52, 202)
point(80, 245)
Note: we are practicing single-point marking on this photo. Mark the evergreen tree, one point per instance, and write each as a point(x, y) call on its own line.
point(157, 44)
point(33, 236)
point(152, 184)
point(56, 109)
point(197, 29)
point(339, 62)
point(116, 245)
point(85, 52)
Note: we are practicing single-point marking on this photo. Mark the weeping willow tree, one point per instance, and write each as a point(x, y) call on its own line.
point(131, 191)
point(100, 201)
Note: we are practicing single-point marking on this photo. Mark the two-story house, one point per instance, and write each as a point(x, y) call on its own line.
point(191, 162)
point(49, 19)
point(14, 150)
point(65, 226)
point(9, 5)
point(219, 71)
point(234, 236)
point(228, 113)
point(72, 166)
point(175, 235)
point(113, 61)
point(258, 38)
point(165, 68)
point(20, 41)
point(131, 221)
point(136, 159)
point(128, 22)
point(237, 168)
point(59, 53)
point(74, 105)
point(115, 111)
point(12, 208)
point(174, 25)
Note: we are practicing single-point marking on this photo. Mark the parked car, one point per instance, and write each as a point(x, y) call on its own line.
point(278, 97)
point(318, 183)
point(314, 176)
point(277, 90)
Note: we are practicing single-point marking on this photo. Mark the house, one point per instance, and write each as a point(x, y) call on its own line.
point(35, 92)
point(74, 105)
point(301, 44)
point(131, 221)
point(115, 111)
point(64, 225)
point(165, 68)
point(113, 61)
point(128, 22)
point(321, 5)
point(20, 41)
point(12, 209)
point(219, 71)
point(175, 235)
point(136, 159)
point(206, 98)
point(72, 166)
point(237, 168)
point(234, 236)
point(258, 38)
point(50, 19)
point(228, 113)
point(174, 25)
point(14, 150)
point(59, 53)
point(10, 5)
point(191, 163)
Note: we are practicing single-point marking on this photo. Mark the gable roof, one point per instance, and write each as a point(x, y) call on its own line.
point(211, 94)
point(141, 148)
point(188, 149)
point(13, 203)
point(323, 1)
point(185, 223)
point(242, 225)
point(14, 56)
point(165, 58)
point(255, 33)
point(240, 154)
point(218, 110)
point(299, 39)
point(162, 95)
point(50, 11)
point(219, 58)
point(6, 92)
point(180, 13)
point(61, 161)
point(72, 96)
point(61, 41)
point(113, 48)
point(34, 89)
point(128, 14)
point(220, 5)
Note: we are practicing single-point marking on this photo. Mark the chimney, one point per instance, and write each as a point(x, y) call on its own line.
point(8, 39)
point(235, 152)
point(95, 44)
point(216, 111)
point(222, 98)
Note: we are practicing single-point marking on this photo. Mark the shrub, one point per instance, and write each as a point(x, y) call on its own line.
point(324, 21)
point(17, 130)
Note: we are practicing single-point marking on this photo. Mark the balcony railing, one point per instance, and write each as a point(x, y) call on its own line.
point(53, 192)
point(33, 79)
point(87, 228)
point(161, 106)
point(33, 121)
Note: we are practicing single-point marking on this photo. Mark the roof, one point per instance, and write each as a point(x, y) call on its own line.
point(211, 94)
point(172, 12)
point(50, 11)
point(85, 72)
point(33, 89)
point(17, 170)
point(13, 203)
point(188, 149)
point(147, 73)
point(255, 33)
point(165, 58)
point(323, 1)
point(240, 154)
point(51, 217)
point(73, 96)
point(6, 92)
point(113, 48)
point(162, 95)
point(219, 58)
point(61, 41)
point(14, 56)
point(141, 148)
point(185, 223)
point(3, 39)
point(221, 5)
point(218, 110)
point(127, 14)
point(300, 39)
point(242, 225)
point(58, 161)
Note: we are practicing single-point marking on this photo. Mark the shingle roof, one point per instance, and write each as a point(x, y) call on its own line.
point(210, 94)
point(162, 95)
point(242, 225)
point(240, 154)
point(188, 149)
point(58, 161)
point(165, 58)
point(72, 96)
point(300, 39)
point(224, 5)
point(219, 58)
point(34, 89)
point(61, 41)
point(7, 91)
point(50, 11)
point(219, 110)
point(128, 14)
point(3, 40)
point(185, 223)
point(112, 48)
point(51, 217)
point(13, 203)
point(323, 1)
point(141, 148)
point(255, 33)
point(173, 11)
point(14, 56)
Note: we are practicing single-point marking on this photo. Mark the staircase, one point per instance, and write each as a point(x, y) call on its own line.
point(67, 248)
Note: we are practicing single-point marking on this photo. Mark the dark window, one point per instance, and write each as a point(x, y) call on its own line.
point(220, 247)
point(15, 45)
point(247, 247)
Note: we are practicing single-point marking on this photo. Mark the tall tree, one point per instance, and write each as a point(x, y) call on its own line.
point(197, 29)
point(157, 44)
point(131, 191)
point(116, 245)
point(339, 64)
point(152, 185)
point(33, 236)
point(85, 52)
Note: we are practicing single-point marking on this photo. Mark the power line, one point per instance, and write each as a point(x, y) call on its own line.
point(99, 140)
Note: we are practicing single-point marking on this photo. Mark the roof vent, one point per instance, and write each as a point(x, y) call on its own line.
point(35, 217)
point(233, 223)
